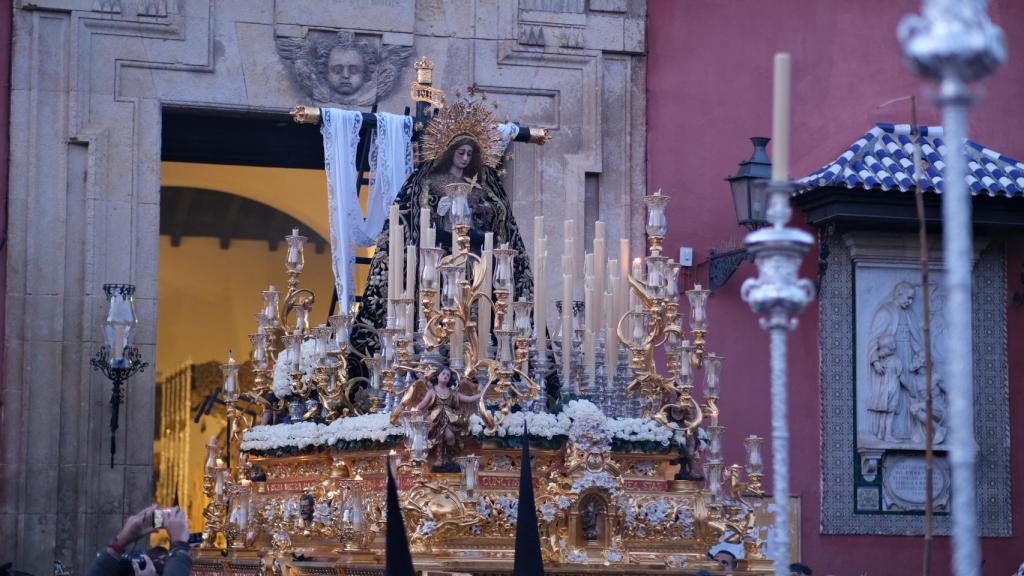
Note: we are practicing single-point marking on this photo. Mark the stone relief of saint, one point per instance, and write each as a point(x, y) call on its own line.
point(343, 69)
point(895, 363)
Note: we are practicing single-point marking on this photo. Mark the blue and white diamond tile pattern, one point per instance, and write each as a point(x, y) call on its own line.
point(882, 159)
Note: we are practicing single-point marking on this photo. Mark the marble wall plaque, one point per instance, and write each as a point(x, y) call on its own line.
point(903, 483)
point(880, 493)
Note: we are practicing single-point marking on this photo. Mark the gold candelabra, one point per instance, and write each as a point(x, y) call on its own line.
point(453, 322)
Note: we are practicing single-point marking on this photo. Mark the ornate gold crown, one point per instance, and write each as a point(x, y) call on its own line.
point(469, 117)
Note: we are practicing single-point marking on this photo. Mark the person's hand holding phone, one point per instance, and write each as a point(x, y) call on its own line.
point(176, 525)
point(136, 526)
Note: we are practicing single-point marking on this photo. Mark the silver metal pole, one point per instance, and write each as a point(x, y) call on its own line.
point(780, 447)
point(779, 295)
point(957, 247)
point(954, 43)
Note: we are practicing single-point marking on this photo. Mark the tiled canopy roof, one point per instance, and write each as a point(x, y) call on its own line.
point(882, 159)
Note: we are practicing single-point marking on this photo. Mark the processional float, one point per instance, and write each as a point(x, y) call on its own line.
point(308, 493)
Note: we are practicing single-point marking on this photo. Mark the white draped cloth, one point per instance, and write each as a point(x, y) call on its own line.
point(390, 164)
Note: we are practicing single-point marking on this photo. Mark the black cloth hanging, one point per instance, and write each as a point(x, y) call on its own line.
point(528, 560)
point(397, 559)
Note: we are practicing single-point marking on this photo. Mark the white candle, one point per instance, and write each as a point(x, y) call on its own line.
point(230, 385)
point(588, 322)
point(568, 255)
point(638, 274)
point(424, 225)
point(540, 301)
point(623, 294)
point(780, 118)
point(567, 332)
point(599, 274)
point(538, 234)
point(484, 316)
point(393, 250)
point(410, 287)
point(611, 340)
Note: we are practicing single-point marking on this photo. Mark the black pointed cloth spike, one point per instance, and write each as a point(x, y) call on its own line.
point(528, 560)
point(397, 559)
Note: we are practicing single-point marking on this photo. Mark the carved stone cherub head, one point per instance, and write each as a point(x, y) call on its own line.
point(350, 64)
point(342, 68)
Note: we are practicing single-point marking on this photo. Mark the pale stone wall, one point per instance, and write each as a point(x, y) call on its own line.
point(89, 80)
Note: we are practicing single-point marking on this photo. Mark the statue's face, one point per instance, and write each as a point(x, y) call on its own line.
point(444, 377)
point(463, 156)
point(905, 298)
point(346, 70)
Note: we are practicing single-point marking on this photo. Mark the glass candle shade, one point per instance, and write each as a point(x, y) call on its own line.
point(715, 440)
point(295, 259)
point(698, 314)
point(121, 321)
point(714, 476)
point(470, 468)
point(271, 299)
point(416, 425)
point(259, 350)
point(712, 375)
point(293, 344)
point(755, 465)
point(460, 212)
point(387, 344)
point(505, 347)
point(685, 353)
point(657, 225)
point(212, 453)
point(375, 365)
point(672, 281)
point(322, 339)
point(230, 372)
point(341, 327)
point(451, 276)
point(522, 310)
point(638, 322)
point(503, 276)
point(429, 276)
point(656, 276)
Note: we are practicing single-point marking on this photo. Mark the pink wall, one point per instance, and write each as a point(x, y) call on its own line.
point(709, 90)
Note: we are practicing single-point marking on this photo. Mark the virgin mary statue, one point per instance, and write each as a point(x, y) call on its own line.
point(461, 142)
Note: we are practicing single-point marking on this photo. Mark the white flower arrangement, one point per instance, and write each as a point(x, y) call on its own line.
point(375, 427)
point(281, 385)
point(580, 421)
point(590, 479)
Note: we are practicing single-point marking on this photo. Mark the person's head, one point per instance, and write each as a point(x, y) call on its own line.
point(306, 507)
point(903, 294)
point(726, 560)
point(727, 555)
point(798, 569)
point(464, 153)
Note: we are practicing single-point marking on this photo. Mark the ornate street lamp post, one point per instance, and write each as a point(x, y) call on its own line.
point(117, 359)
point(954, 43)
